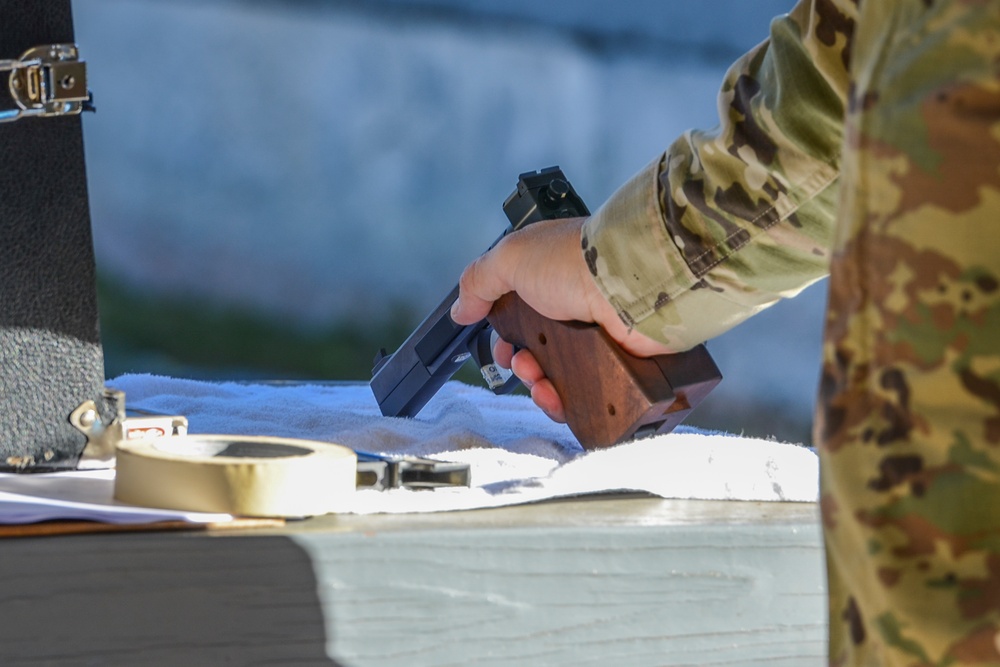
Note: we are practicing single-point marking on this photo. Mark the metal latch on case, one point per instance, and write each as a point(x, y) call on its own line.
point(47, 80)
point(107, 422)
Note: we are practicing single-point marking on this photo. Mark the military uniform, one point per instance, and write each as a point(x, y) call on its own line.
point(861, 139)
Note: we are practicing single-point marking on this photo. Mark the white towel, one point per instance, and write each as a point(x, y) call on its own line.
point(516, 454)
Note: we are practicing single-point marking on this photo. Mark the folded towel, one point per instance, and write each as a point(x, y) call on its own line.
point(516, 454)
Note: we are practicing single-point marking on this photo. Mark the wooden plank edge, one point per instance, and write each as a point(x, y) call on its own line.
point(54, 528)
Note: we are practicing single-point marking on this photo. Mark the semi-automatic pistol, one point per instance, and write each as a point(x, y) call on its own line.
point(609, 395)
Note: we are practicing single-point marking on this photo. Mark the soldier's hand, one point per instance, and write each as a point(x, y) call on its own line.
point(544, 264)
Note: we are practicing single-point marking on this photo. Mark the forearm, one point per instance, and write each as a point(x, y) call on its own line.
point(729, 221)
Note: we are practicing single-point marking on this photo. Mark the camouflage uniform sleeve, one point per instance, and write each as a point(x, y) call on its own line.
point(728, 221)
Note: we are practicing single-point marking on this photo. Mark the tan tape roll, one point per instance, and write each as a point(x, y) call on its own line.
point(243, 475)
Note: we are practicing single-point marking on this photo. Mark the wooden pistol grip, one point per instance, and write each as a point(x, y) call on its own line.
point(609, 395)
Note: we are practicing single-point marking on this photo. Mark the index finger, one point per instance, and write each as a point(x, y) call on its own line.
point(480, 285)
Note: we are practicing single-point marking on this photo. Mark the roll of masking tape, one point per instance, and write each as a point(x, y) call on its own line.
point(243, 475)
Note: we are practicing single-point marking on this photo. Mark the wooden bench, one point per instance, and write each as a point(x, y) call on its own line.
point(608, 581)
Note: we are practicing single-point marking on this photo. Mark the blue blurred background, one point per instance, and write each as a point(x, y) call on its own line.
point(279, 188)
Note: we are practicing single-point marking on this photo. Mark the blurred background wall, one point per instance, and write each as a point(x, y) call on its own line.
point(281, 187)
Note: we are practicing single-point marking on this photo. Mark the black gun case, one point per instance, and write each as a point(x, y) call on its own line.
point(51, 361)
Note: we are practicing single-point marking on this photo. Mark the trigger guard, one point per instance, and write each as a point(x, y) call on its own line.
point(499, 380)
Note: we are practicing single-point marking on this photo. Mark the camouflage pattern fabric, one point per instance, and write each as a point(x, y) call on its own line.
point(908, 424)
point(730, 220)
point(909, 427)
